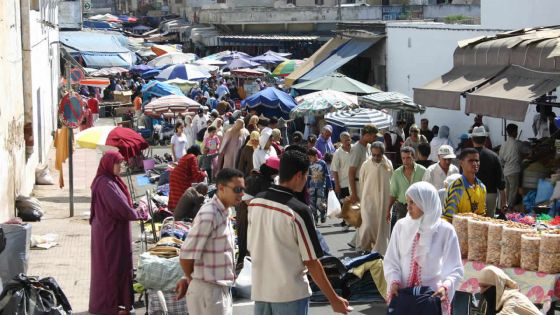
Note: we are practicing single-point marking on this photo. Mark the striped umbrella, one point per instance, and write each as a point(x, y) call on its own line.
point(322, 102)
point(128, 141)
point(391, 100)
point(96, 82)
point(171, 104)
point(359, 117)
point(287, 67)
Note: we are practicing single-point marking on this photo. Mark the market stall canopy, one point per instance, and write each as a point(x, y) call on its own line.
point(184, 85)
point(287, 67)
point(390, 100)
point(509, 94)
point(140, 68)
point(128, 141)
point(175, 104)
point(100, 25)
point(332, 55)
point(210, 62)
point(158, 89)
point(337, 82)
point(161, 50)
point(183, 71)
point(103, 72)
point(233, 55)
point(269, 58)
point(141, 28)
point(491, 59)
point(172, 58)
point(246, 73)
point(359, 117)
point(271, 102)
point(237, 63)
point(285, 55)
point(96, 82)
point(322, 102)
point(108, 49)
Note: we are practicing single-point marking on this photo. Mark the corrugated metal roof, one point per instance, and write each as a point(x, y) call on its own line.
point(269, 37)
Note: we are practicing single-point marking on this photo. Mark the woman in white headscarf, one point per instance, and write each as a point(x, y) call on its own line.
point(424, 250)
point(502, 293)
point(232, 142)
point(189, 131)
point(441, 139)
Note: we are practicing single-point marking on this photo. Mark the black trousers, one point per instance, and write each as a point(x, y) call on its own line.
point(242, 226)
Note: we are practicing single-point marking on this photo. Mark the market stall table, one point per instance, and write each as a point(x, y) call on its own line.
point(540, 288)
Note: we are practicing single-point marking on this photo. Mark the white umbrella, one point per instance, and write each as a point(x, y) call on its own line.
point(359, 117)
point(172, 58)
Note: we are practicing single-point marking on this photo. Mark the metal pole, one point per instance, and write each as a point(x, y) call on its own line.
point(70, 149)
point(339, 11)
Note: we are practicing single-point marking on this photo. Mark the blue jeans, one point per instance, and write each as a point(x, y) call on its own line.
point(297, 307)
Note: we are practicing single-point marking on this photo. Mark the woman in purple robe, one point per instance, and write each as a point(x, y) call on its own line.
point(111, 250)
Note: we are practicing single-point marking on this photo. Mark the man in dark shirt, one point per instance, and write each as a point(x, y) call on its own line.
point(425, 130)
point(423, 152)
point(490, 172)
point(190, 202)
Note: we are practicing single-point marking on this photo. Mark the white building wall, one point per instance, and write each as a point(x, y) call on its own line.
point(514, 14)
point(418, 53)
point(12, 148)
point(40, 83)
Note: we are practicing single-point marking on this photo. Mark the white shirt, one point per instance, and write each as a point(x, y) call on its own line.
point(340, 164)
point(260, 156)
point(435, 175)
point(510, 157)
point(180, 145)
point(199, 123)
point(445, 267)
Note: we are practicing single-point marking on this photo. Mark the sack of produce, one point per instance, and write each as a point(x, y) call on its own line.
point(461, 225)
point(511, 246)
point(478, 236)
point(549, 258)
point(493, 252)
point(530, 245)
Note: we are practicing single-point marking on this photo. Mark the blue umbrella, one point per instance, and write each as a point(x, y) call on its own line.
point(269, 58)
point(183, 71)
point(140, 68)
point(271, 102)
point(159, 89)
point(234, 55)
point(239, 63)
point(150, 74)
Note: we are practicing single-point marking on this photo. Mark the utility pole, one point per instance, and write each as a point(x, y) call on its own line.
point(339, 11)
point(70, 147)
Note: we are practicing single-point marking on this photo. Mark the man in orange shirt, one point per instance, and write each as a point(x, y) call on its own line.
point(138, 104)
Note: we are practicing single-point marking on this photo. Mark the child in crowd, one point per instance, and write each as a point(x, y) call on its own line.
point(211, 148)
point(205, 162)
point(318, 184)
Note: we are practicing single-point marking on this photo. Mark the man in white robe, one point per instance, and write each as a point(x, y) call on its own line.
point(375, 176)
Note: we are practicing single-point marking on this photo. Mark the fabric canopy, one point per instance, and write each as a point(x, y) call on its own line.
point(322, 102)
point(390, 100)
point(171, 104)
point(445, 91)
point(100, 61)
point(337, 82)
point(340, 57)
point(183, 71)
point(508, 95)
point(271, 102)
point(107, 50)
point(172, 58)
point(359, 117)
point(158, 89)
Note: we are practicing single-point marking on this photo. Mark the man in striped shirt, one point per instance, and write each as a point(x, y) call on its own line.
point(284, 245)
point(207, 255)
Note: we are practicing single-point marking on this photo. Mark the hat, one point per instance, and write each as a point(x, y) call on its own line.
point(446, 151)
point(479, 132)
point(464, 136)
point(273, 162)
point(327, 128)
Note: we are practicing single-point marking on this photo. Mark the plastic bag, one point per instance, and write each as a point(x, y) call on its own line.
point(243, 283)
point(27, 295)
point(333, 205)
point(158, 273)
point(43, 176)
point(29, 209)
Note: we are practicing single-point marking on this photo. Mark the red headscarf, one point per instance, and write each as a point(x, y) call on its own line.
point(106, 165)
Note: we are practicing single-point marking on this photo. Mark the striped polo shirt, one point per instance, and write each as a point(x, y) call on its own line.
point(281, 236)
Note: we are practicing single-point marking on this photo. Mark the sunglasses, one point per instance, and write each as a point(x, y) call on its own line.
point(236, 189)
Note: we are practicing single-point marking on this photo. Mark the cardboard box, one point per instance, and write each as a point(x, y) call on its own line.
point(122, 96)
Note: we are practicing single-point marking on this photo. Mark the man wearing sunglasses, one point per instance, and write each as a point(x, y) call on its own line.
point(207, 255)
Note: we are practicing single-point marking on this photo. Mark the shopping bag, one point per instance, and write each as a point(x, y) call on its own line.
point(158, 273)
point(333, 205)
point(25, 296)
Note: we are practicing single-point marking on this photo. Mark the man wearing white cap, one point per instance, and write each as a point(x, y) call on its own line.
point(437, 173)
point(324, 143)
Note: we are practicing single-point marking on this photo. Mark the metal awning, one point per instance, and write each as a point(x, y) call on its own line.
point(510, 93)
point(267, 38)
point(445, 91)
point(340, 57)
point(321, 54)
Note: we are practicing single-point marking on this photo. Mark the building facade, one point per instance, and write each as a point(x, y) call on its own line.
point(30, 70)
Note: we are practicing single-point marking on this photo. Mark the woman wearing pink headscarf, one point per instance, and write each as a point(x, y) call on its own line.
point(111, 251)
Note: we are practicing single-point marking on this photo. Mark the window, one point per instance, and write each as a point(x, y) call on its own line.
point(291, 2)
point(319, 2)
point(178, 1)
point(350, 1)
point(221, 1)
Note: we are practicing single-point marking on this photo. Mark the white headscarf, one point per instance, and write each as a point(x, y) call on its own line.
point(426, 197)
point(266, 133)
